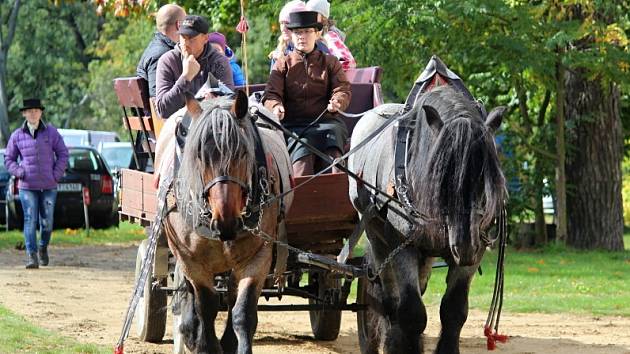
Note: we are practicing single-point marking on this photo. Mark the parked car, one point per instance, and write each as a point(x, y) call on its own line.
point(117, 154)
point(7, 182)
point(86, 168)
point(92, 138)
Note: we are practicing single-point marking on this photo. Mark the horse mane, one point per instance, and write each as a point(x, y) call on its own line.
point(449, 165)
point(216, 141)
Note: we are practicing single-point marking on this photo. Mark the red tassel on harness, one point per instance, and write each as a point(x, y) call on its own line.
point(492, 338)
point(119, 350)
point(242, 26)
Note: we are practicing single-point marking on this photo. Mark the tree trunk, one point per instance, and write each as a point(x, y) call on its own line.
point(595, 219)
point(561, 184)
point(540, 237)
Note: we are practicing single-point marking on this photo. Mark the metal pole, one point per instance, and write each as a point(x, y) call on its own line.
point(6, 214)
point(86, 215)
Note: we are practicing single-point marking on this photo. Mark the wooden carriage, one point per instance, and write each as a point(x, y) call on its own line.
point(319, 221)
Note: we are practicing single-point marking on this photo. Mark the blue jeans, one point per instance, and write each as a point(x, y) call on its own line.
point(38, 206)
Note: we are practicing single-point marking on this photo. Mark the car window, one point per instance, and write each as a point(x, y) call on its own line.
point(117, 157)
point(100, 137)
point(2, 168)
point(75, 140)
point(82, 160)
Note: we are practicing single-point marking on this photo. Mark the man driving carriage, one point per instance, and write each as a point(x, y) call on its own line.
point(185, 68)
point(307, 85)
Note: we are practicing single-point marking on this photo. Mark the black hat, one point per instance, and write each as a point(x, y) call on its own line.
point(194, 25)
point(304, 19)
point(31, 103)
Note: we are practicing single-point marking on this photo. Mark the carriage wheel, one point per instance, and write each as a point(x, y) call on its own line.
point(368, 337)
point(179, 282)
point(151, 310)
point(325, 323)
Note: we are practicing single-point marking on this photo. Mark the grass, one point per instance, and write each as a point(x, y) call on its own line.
point(554, 279)
point(19, 336)
point(125, 233)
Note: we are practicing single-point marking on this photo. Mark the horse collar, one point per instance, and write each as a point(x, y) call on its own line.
point(259, 181)
point(401, 157)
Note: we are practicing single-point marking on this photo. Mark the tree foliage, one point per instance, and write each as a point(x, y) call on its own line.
point(49, 58)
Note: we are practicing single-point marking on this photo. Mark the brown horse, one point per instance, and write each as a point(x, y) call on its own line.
point(217, 227)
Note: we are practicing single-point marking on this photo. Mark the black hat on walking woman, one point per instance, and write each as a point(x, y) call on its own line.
point(304, 19)
point(31, 103)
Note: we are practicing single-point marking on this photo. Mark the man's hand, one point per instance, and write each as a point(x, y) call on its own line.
point(333, 105)
point(190, 67)
point(278, 111)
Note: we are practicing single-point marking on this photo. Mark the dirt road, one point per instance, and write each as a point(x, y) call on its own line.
point(85, 291)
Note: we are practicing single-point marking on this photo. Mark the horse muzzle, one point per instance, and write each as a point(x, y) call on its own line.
point(227, 229)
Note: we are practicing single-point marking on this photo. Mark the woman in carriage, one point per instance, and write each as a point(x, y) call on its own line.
point(307, 85)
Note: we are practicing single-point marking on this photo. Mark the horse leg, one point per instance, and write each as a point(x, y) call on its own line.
point(403, 315)
point(407, 314)
point(198, 315)
point(229, 342)
point(454, 307)
point(244, 313)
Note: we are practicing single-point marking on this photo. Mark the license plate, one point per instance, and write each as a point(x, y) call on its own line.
point(69, 187)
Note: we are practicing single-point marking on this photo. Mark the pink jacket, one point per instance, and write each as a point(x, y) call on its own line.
point(339, 49)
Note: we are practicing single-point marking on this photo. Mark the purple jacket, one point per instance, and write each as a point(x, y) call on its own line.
point(43, 159)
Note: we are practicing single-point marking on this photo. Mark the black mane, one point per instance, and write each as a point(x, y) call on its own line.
point(461, 159)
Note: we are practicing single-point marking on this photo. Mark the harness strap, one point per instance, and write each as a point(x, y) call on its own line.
point(260, 174)
point(221, 179)
point(401, 157)
point(337, 161)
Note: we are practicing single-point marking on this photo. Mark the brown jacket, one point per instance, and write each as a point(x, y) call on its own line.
point(305, 84)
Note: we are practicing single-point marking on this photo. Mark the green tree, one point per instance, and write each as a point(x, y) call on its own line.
point(118, 50)
point(49, 58)
point(8, 24)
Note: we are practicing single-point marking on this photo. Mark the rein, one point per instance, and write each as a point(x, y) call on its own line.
point(338, 161)
point(491, 328)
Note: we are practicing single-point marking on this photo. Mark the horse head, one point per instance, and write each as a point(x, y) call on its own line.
point(218, 163)
point(461, 185)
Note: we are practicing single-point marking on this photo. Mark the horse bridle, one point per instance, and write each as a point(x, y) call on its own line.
point(225, 178)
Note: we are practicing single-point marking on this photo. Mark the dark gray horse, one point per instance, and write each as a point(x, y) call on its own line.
point(456, 189)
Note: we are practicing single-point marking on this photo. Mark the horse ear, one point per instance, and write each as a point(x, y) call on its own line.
point(494, 119)
point(193, 107)
point(433, 118)
point(241, 105)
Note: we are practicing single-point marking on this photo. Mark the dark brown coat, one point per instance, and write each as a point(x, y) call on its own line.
point(305, 84)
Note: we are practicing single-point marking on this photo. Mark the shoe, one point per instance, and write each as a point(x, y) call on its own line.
point(32, 262)
point(43, 256)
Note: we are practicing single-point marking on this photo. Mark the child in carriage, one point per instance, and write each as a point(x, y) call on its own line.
point(307, 85)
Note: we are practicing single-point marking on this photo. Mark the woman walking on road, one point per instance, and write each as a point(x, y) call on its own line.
point(42, 161)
